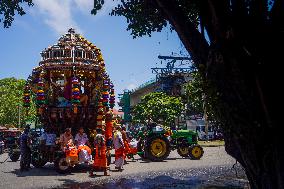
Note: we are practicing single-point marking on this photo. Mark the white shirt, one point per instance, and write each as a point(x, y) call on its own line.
point(117, 140)
point(81, 139)
point(49, 138)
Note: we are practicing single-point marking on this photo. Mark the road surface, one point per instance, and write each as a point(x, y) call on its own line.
point(214, 169)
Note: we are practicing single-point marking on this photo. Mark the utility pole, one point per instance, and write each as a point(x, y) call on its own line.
point(170, 68)
point(206, 123)
point(19, 116)
point(172, 76)
point(173, 58)
point(205, 117)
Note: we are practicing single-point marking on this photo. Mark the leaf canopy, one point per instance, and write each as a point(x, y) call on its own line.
point(158, 107)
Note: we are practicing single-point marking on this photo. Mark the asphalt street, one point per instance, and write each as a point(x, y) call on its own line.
point(216, 169)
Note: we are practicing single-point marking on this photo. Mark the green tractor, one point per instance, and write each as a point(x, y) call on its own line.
point(155, 143)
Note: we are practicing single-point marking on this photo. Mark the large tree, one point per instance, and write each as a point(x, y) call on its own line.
point(157, 107)
point(11, 99)
point(236, 44)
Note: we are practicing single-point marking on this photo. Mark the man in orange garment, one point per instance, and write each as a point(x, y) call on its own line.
point(125, 142)
point(100, 162)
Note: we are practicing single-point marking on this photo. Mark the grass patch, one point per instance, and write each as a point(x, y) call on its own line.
point(212, 143)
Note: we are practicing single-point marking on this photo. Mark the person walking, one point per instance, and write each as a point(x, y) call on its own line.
point(25, 142)
point(125, 142)
point(2, 144)
point(119, 148)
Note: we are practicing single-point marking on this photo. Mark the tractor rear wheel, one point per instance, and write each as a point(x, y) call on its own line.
point(157, 148)
point(195, 152)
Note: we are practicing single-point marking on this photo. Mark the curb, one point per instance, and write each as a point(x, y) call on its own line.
point(212, 145)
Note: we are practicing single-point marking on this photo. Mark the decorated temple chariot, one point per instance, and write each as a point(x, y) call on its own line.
point(70, 89)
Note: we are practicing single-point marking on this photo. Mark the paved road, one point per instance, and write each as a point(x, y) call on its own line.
point(215, 166)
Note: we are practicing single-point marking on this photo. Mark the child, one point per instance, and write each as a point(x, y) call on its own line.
point(100, 162)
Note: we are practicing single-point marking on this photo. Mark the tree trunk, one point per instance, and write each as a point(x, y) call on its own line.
point(242, 70)
point(247, 106)
point(194, 42)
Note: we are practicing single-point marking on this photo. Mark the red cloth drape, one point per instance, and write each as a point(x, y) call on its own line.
point(84, 148)
point(100, 158)
point(126, 149)
point(119, 153)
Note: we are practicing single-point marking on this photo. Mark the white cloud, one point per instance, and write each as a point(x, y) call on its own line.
point(85, 6)
point(57, 14)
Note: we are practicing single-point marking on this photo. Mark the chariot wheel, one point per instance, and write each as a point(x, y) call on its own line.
point(61, 165)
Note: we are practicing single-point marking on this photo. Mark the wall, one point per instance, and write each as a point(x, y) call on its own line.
point(136, 96)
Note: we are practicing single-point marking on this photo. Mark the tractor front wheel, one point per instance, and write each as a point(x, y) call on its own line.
point(195, 152)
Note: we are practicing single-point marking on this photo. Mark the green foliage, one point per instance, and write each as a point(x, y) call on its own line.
point(158, 107)
point(8, 9)
point(194, 95)
point(200, 96)
point(144, 17)
point(11, 96)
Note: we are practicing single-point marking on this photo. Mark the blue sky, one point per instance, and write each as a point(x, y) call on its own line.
point(128, 60)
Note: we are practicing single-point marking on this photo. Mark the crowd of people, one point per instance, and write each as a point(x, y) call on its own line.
point(82, 145)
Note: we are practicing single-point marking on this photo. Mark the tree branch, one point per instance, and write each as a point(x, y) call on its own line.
point(192, 39)
point(277, 15)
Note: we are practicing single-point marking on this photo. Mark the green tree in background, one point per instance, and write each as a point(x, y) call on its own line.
point(194, 94)
point(199, 96)
point(11, 97)
point(158, 107)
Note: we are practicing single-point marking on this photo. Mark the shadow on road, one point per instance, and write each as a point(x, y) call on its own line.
point(48, 170)
point(71, 184)
point(166, 160)
point(161, 182)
